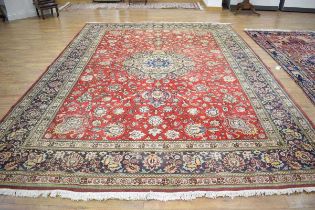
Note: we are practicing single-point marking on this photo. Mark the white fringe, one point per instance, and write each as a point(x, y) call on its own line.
point(159, 22)
point(285, 30)
point(161, 196)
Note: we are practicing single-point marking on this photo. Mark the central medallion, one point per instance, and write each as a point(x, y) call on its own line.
point(158, 65)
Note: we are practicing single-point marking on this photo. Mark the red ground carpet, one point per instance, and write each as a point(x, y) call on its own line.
point(156, 111)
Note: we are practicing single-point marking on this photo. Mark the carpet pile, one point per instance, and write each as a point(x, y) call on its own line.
point(156, 111)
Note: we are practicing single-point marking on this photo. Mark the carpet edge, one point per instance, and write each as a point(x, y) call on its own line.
point(285, 30)
point(272, 73)
point(160, 196)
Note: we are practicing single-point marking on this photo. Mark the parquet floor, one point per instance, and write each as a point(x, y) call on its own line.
point(28, 46)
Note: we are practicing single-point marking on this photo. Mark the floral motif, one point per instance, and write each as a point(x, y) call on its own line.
point(272, 159)
point(34, 159)
point(155, 120)
point(229, 78)
point(171, 134)
point(114, 130)
point(241, 125)
point(234, 162)
point(193, 111)
point(156, 97)
point(136, 135)
point(192, 163)
point(87, 78)
point(212, 112)
point(72, 161)
point(167, 109)
point(70, 124)
point(100, 112)
point(112, 163)
point(119, 111)
point(131, 166)
point(144, 109)
point(155, 131)
point(5, 156)
point(304, 157)
point(195, 130)
point(152, 162)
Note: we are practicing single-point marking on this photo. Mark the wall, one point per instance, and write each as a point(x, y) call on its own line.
point(19, 9)
point(62, 2)
point(213, 3)
point(300, 3)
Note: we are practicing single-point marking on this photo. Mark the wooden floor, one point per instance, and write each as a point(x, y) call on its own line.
point(28, 46)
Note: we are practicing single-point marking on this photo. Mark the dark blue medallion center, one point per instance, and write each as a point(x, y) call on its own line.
point(158, 63)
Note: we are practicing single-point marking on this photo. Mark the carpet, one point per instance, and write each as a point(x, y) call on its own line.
point(294, 51)
point(156, 5)
point(156, 111)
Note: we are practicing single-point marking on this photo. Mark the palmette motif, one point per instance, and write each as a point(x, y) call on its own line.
point(156, 106)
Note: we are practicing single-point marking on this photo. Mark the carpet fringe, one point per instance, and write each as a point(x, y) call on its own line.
point(285, 30)
point(160, 22)
point(161, 196)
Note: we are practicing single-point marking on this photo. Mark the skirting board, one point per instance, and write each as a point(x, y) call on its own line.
point(265, 8)
point(298, 9)
point(104, 1)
